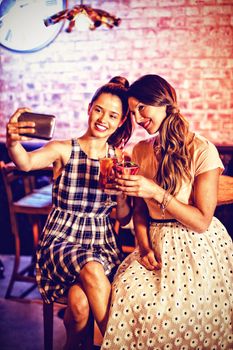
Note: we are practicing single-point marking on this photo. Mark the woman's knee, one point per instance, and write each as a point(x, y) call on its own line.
point(93, 274)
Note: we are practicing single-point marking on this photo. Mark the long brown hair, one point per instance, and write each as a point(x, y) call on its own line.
point(173, 150)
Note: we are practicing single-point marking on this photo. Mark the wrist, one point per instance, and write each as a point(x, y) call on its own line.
point(11, 144)
point(144, 250)
point(157, 194)
point(167, 197)
point(143, 244)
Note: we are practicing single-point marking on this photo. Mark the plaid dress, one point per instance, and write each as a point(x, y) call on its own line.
point(78, 228)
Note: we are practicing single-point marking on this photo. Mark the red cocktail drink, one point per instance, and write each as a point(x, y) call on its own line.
point(107, 172)
point(127, 168)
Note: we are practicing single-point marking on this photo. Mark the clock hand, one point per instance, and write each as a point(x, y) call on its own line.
point(23, 5)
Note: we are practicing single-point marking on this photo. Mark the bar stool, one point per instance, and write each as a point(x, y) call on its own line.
point(34, 203)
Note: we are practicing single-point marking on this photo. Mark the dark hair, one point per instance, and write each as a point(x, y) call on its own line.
point(153, 90)
point(173, 153)
point(118, 86)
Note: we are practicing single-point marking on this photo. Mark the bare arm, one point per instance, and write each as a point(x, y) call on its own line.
point(197, 216)
point(141, 227)
point(123, 209)
point(24, 160)
point(37, 159)
point(141, 224)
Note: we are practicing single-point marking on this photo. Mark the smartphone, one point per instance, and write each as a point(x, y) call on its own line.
point(44, 124)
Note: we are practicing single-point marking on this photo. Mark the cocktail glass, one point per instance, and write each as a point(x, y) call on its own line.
point(107, 176)
point(127, 168)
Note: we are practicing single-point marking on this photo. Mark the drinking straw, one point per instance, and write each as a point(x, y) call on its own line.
point(123, 153)
point(106, 151)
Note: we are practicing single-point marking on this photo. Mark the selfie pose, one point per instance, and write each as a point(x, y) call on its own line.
point(175, 291)
point(78, 254)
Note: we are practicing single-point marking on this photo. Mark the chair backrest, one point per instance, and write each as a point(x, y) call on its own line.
point(11, 182)
point(16, 183)
point(21, 195)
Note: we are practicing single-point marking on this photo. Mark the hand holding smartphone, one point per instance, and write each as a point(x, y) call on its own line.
point(44, 125)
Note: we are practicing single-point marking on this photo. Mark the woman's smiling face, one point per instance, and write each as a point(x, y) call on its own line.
point(149, 117)
point(105, 115)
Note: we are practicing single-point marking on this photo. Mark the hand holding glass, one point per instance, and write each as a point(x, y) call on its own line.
point(109, 168)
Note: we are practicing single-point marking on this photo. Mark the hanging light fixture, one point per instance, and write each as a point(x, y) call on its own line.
point(96, 17)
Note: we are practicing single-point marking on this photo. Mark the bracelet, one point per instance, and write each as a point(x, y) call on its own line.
point(166, 199)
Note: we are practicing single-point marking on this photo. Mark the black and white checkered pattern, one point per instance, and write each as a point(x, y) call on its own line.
point(78, 229)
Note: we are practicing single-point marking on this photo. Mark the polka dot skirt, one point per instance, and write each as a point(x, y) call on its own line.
point(185, 305)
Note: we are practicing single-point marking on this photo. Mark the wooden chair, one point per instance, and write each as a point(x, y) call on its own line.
point(34, 203)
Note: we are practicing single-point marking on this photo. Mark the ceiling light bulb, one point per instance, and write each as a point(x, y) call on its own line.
point(82, 22)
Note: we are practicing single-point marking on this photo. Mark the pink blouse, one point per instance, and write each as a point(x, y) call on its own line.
point(205, 158)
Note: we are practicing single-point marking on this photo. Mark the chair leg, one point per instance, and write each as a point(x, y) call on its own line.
point(35, 231)
point(2, 268)
point(90, 337)
point(27, 274)
point(36, 228)
point(15, 268)
point(48, 325)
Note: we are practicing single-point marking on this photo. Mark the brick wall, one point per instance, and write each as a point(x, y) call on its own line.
point(188, 42)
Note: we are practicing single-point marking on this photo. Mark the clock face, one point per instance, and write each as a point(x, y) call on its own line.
point(22, 27)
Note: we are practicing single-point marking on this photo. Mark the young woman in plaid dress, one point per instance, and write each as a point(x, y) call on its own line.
point(78, 253)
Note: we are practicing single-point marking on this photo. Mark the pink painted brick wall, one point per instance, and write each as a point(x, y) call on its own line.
point(188, 42)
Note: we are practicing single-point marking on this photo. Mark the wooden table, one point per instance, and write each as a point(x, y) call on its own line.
point(225, 190)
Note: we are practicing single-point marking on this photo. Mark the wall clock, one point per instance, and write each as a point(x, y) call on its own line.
point(22, 27)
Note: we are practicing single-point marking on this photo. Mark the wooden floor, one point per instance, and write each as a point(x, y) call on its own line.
point(21, 321)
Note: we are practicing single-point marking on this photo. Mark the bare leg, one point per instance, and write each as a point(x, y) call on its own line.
point(78, 321)
point(97, 288)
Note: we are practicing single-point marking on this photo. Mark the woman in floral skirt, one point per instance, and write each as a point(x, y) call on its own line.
point(175, 291)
